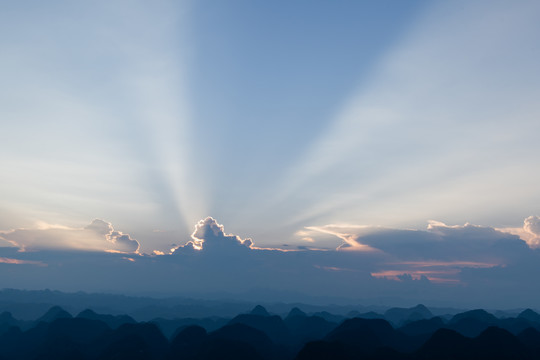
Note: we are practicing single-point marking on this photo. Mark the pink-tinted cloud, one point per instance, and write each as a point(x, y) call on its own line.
point(4, 260)
point(350, 238)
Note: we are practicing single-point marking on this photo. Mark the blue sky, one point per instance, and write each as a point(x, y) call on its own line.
point(275, 118)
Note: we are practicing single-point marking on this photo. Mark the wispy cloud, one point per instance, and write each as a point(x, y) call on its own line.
point(4, 260)
point(350, 239)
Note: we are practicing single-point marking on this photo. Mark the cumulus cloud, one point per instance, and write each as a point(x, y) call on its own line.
point(211, 236)
point(532, 226)
point(529, 232)
point(100, 227)
point(97, 236)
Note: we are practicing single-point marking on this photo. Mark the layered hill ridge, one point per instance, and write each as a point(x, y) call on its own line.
point(400, 333)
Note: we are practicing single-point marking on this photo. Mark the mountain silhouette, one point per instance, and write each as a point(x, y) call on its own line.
point(329, 317)
point(422, 327)
point(367, 315)
point(303, 329)
point(171, 328)
point(112, 321)
point(187, 344)
point(260, 311)
point(240, 339)
point(531, 339)
point(444, 344)
point(7, 321)
point(323, 350)
point(363, 336)
point(478, 314)
point(77, 329)
point(56, 312)
point(472, 323)
point(295, 312)
point(60, 349)
point(273, 326)
point(398, 316)
point(475, 334)
point(516, 325)
point(497, 343)
point(70, 338)
point(216, 348)
point(137, 341)
point(530, 315)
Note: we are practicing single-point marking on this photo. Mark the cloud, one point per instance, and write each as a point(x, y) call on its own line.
point(349, 239)
point(4, 260)
point(440, 252)
point(532, 226)
point(211, 236)
point(100, 227)
point(123, 242)
point(530, 232)
point(439, 241)
point(442, 264)
point(97, 236)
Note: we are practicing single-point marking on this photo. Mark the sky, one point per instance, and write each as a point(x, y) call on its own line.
point(392, 140)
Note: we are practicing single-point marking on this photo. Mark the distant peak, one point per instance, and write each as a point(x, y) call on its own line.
point(528, 312)
point(478, 314)
point(6, 316)
point(56, 312)
point(296, 312)
point(530, 315)
point(259, 310)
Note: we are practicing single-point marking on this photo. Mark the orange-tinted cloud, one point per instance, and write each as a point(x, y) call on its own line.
point(97, 236)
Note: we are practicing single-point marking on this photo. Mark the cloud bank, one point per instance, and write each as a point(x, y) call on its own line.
point(465, 265)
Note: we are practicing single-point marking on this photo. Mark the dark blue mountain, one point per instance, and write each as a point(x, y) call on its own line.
point(260, 311)
point(188, 343)
point(530, 315)
point(295, 312)
point(111, 320)
point(237, 341)
point(399, 316)
point(273, 326)
point(56, 312)
point(422, 327)
point(472, 323)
